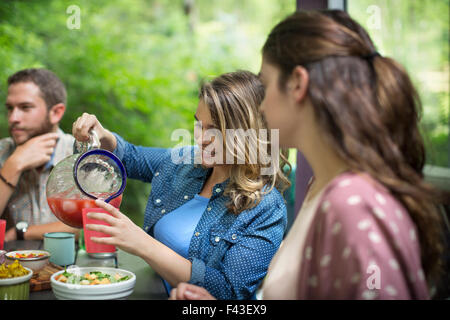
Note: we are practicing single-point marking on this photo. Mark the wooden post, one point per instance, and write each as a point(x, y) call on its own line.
point(303, 170)
point(312, 4)
point(189, 10)
point(321, 4)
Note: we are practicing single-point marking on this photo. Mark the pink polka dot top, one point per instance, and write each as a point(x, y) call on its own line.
point(360, 243)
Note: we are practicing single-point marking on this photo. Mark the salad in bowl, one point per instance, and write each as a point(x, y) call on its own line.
point(92, 283)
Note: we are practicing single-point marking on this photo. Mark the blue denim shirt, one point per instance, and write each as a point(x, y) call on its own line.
point(230, 253)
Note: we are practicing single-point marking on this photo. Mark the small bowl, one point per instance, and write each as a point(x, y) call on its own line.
point(35, 263)
point(112, 291)
point(17, 288)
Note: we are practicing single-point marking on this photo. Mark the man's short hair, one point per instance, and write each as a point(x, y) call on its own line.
point(52, 89)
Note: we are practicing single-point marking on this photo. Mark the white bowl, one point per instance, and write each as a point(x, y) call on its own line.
point(34, 264)
point(16, 280)
point(118, 290)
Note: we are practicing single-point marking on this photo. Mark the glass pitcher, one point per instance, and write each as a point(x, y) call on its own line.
point(78, 180)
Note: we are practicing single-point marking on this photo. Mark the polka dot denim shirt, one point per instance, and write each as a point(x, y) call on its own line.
point(230, 253)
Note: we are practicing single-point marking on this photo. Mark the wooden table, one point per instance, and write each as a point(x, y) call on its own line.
point(149, 285)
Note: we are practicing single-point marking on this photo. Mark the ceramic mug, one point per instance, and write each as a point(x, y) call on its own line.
point(61, 246)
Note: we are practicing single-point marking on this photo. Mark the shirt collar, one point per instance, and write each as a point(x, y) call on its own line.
point(199, 172)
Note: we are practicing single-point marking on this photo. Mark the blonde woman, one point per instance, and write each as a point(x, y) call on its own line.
point(216, 224)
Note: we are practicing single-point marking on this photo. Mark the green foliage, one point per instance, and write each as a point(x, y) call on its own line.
point(136, 65)
point(416, 33)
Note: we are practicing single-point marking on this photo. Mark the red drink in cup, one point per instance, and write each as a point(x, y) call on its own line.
point(2, 232)
point(93, 247)
point(69, 211)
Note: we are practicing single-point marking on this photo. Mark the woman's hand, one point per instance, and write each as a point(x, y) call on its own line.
point(132, 239)
point(87, 122)
point(186, 291)
point(123, 232)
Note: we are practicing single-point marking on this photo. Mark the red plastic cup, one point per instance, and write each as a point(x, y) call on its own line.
point(93, 247)
point(2, 232)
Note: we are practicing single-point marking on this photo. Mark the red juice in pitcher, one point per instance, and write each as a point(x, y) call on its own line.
point(69, 211)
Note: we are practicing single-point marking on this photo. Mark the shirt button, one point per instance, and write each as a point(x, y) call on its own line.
point(156, 174)
point(186, 197)
point(158, 200)
point(163, 211)
point(217, 239)
point(234, 236)
point(209, 208)
point(197, 234)
point(218, 190)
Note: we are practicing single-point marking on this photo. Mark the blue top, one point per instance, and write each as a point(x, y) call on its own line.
point(176, 229)
point(230, 253)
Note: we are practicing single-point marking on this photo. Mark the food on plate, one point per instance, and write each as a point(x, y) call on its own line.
point(91, 278)
point(27, 255)
point(13, 270)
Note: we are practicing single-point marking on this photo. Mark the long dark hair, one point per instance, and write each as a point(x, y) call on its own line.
point(368, 109)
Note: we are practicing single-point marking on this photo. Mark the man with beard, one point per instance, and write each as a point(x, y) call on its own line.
point(35, 104)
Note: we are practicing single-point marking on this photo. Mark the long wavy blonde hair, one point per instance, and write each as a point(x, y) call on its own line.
point(234, 100)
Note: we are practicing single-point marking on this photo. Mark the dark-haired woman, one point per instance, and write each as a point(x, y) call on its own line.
point(369, 227)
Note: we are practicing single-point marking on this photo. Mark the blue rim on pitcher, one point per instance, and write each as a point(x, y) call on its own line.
point(109, 155)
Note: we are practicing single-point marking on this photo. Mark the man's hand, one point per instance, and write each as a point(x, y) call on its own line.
point(35, 152)
point(10, 234)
